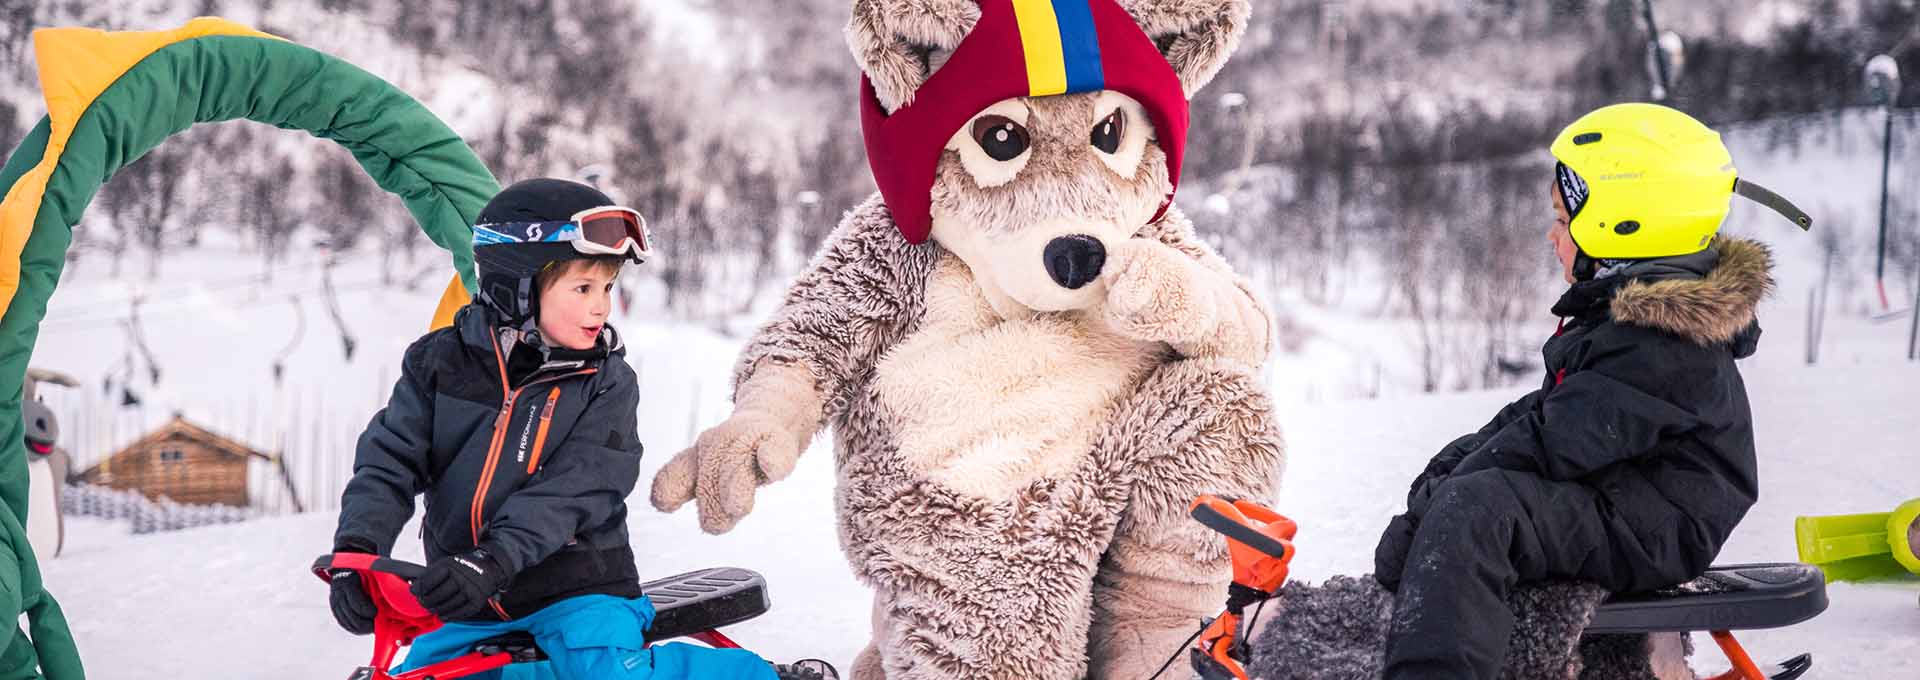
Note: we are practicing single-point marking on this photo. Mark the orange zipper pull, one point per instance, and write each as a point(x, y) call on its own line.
point(540, 438)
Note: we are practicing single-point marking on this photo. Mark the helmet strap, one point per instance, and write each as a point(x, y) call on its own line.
point(1778, 203)
point(1584, 267)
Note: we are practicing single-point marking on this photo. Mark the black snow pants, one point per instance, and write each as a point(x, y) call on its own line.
point(1485, 531)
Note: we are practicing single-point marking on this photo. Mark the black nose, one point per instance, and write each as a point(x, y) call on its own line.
point(1074, 261)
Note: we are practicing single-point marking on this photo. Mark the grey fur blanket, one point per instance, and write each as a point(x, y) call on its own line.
point(1336, 631)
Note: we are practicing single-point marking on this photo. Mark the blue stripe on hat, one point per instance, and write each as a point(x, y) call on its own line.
point(1079, 45)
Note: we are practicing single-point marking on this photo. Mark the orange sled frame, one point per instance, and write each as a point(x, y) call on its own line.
point(1727, 598)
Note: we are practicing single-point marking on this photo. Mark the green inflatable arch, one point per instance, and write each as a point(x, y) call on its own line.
point(111, 97)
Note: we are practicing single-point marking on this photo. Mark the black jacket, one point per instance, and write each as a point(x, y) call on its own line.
point(1642, 401)
point(532, 460)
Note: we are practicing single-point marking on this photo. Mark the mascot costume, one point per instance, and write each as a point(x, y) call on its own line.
point(1030, 362)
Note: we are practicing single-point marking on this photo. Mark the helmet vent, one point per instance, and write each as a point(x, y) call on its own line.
point(1586, 138)
point(1626, 227)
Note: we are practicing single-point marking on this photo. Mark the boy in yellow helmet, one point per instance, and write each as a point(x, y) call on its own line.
point(1634, 460)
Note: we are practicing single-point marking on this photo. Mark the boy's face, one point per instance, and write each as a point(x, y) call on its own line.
point(574, 308)
point(1563, 246)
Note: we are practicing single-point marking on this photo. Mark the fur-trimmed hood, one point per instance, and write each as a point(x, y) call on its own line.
point(1713, 309)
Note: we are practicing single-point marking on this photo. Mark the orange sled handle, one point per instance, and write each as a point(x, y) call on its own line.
point(1260, 542)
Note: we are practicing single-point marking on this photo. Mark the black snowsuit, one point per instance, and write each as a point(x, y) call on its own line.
point(529, 456)
point(1629, 467)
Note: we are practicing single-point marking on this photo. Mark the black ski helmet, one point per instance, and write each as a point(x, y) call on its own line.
point(507, 270)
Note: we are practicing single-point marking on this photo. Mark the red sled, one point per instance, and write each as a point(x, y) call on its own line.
point(693, 605)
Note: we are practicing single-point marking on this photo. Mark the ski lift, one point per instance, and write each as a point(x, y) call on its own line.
point(299, 331)
point(1883, 90)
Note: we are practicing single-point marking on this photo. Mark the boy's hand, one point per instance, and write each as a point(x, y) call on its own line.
point(458, 586)
point(725, 465)
point(352, 608)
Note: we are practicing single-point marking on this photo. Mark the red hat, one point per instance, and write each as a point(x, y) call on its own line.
point(1019, 48)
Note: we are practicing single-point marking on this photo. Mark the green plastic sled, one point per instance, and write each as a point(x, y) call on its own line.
point(1879, 546)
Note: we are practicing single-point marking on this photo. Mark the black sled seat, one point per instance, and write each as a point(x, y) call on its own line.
point(1732, 597)
point(689, 603)
point(704, 600)
point(1725, 599)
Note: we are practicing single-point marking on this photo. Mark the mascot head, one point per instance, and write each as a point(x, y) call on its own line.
point(1026, 136)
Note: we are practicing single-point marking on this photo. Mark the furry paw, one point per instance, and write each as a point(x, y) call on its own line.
point(724, 467)
point(1155, 293)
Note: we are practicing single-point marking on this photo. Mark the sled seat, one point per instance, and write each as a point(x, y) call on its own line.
point(1730, 597)
point(704, 600)
point(687, 604)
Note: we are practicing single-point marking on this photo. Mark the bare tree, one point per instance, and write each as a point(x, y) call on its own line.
point(263, 207)
point(157, 179)
point(10, 134)
point(346, 201)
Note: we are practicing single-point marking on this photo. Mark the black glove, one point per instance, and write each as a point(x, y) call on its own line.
point(353, 609)
point(1390, 557)
point(458, 586)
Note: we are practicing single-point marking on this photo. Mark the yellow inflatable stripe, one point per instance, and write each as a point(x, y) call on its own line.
point(76, 65)
point(451, 301)
point(1040, 39)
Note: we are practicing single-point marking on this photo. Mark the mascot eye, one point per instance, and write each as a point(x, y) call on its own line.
point(1106, 134)
point(1000, 137)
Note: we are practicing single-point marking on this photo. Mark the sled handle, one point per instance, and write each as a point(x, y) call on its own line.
point(366, 563)
point(1248, 523)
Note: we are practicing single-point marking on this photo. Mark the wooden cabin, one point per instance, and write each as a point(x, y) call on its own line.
point(183, 462)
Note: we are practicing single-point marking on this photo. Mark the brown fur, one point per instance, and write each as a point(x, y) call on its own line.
point(1196, 36)
point(1102, 559)
point(1709, 310)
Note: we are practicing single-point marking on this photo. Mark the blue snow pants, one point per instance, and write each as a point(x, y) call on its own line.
point(591, 637)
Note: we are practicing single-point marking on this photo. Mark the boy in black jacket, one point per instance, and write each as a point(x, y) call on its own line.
point(518, 425)
point(1634, 461)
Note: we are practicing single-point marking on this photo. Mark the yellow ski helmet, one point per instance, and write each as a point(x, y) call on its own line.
point(1644, 180)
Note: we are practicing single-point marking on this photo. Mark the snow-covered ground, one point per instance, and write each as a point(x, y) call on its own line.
point(1835, 438)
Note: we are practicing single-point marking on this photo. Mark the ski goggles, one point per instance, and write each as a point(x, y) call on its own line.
point(606, 230)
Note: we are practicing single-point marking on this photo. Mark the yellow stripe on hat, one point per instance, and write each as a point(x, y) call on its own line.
point(1040, 39)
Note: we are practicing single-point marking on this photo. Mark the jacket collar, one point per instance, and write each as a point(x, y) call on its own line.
point(479, 327)
point(1708, 297)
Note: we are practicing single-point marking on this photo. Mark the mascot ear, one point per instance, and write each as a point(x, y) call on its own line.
point(899, 43)
point(1197, 36)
